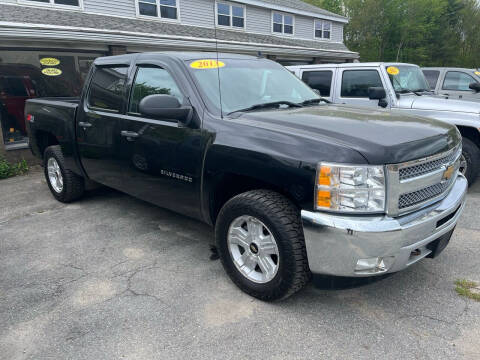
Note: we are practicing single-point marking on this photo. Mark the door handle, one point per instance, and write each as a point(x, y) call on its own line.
point(130, 135)
point(84, 124)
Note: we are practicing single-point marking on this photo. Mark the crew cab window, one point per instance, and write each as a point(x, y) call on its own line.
point(152, 81)
point(107, 88)
point(320, 80)
point(457, 81)
point(432, 77)
point(355, 83)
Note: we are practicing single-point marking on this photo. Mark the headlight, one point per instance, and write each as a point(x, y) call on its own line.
point(354, 189)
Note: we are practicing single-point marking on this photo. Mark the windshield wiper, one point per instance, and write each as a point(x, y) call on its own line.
point(315, 101)
point(419, 92)
point(267, 105)
point(403, 91)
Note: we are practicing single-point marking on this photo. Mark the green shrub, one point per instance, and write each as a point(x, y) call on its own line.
point(8, 170)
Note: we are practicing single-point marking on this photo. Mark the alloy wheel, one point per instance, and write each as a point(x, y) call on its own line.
point(253, 249)
point(55, 175)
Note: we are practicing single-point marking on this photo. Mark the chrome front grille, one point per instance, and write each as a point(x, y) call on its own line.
point(417, 183)
point(419, 196)
point(425, 168)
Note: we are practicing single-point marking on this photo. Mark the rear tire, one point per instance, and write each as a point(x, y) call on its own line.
point(65, 185)
point(471, 157)
point(275, 218)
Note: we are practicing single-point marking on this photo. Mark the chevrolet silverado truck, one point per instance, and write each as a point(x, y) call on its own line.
point(402, 87)
point(292, 185)
point(454, 83)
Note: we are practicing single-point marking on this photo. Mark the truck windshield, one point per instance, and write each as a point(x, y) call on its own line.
point(407, 79)
point(248, 84)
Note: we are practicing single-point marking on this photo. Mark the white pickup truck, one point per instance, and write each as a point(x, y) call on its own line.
point(454, 83)
point(400, 88)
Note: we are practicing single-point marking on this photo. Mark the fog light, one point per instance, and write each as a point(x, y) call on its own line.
point(374, 265)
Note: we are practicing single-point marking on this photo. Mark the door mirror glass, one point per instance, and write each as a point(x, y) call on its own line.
point(376, 93)
point(165, 107)
point(475, 87)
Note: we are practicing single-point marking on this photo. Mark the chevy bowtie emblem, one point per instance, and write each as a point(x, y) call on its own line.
point(449, 172)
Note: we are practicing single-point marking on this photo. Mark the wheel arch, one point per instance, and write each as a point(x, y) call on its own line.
point(470, 133)
point(43, 140)
point(228, 185)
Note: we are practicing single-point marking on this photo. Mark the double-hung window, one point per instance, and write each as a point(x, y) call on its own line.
point(165, 9)
point(323, 29)
point(282, 23)
point(231, 15)
point(61, 3)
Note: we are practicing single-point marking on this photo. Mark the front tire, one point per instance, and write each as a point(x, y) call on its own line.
point(260, 241)
point(65, 185)
point(470, 161)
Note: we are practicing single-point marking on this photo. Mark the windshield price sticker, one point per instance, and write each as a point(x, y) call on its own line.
point(49, 62)
point(477, 73)
point(52, 72)
point(207, 64)
point(392, 70)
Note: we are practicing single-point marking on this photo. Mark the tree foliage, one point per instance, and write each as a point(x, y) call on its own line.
point(425, 32)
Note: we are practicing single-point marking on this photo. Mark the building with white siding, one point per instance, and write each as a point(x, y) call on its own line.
point(65, 36)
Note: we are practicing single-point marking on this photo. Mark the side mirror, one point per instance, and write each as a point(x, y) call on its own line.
point(475, 86)
point(164, 107)
point(378, 93)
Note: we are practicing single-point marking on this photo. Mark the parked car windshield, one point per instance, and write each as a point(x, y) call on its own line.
point(247, 83)
point(405, 78)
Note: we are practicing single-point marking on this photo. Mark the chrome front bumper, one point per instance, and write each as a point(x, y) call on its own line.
point(347, 245)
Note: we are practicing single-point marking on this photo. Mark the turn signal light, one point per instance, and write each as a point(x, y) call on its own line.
point(324, 198)
point(324, 175)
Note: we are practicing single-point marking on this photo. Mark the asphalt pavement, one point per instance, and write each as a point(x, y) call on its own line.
point(112, 277)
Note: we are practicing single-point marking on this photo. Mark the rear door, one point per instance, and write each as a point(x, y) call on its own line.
point(321, 80)
point(161, 158)
point(456, 84)
point(352, 85)
point(99, 122)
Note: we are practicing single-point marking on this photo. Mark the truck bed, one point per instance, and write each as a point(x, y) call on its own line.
point(54, 116)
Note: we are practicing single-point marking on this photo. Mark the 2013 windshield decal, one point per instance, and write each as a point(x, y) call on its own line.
point(180, 177)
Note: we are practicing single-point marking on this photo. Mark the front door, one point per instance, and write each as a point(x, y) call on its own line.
point(456, 85)
point(162, 158)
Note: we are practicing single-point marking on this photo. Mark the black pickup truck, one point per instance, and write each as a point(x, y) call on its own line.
point(293, 186)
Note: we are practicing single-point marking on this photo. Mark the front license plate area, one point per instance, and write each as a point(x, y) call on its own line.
point(440, 244)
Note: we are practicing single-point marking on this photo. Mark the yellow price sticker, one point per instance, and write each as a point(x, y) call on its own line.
point(392, 70)
point(49, 62)
point(207, 64)
point(52, 72)
point(477, 73)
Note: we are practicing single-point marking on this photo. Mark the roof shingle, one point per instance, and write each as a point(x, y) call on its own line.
point(12, 13)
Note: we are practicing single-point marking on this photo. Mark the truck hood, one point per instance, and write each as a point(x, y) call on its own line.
point(381, 137)
point(438, 103)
